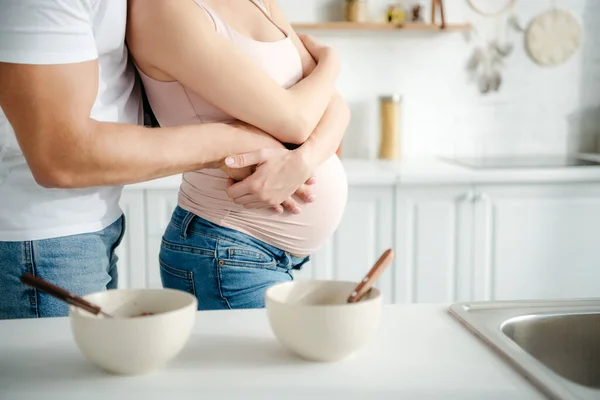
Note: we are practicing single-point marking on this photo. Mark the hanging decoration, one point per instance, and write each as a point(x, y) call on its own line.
point(488, 57)
point(553, 37)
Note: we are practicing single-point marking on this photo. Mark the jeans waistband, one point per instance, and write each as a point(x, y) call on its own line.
point(189, 223)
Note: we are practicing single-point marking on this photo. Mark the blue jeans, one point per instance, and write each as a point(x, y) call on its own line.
point(82, 264)
point(223, 268)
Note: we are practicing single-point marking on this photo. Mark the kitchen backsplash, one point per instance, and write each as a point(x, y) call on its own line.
point(538, 110)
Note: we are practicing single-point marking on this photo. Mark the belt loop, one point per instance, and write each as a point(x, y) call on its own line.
point(185, 224)
point(288, 260)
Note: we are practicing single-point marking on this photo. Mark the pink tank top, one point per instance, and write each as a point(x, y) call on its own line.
point(204, 192)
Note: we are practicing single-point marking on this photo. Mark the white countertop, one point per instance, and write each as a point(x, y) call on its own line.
point(431, 171)
point(420, 353)
point(437, 171)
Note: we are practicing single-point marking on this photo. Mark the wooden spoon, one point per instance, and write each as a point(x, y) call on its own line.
point(369, 280)
point(62, 294)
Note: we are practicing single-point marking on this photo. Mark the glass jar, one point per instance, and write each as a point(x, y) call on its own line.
point(391, 110)
point(356, 10)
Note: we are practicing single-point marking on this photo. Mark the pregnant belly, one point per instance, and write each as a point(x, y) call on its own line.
point(203, 193)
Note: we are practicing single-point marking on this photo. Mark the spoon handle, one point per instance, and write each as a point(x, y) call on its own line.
point(369, 280)
point(60, 293)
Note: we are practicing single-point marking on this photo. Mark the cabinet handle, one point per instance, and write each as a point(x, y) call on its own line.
point(466, 197)
point(480, 197)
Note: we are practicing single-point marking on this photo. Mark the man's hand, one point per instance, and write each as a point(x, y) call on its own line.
point(279, 174)
point(238, 174)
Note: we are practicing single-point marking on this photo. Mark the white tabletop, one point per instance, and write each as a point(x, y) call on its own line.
point(420, 353)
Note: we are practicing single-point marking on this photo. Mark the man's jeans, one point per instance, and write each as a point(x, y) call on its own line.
point(82, 264)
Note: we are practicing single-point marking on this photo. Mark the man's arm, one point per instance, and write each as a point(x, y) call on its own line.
point(49, 108)
point(48, 85)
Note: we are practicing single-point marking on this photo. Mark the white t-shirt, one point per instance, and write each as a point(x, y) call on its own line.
point(62, 32)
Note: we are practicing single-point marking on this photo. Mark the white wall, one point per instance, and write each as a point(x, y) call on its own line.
point(538, 110)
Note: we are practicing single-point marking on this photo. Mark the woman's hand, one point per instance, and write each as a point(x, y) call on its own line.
point(320, 52)
point(304, 192)
point(239, 174)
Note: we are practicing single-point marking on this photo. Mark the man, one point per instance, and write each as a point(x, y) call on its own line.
point(70, 138)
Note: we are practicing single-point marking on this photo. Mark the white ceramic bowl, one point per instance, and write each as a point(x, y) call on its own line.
point(128, 345)
point(313, 319)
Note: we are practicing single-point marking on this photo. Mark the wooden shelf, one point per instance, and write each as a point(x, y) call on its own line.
point(374, 26)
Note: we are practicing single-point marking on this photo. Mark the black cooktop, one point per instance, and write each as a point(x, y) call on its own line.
point(523, 162)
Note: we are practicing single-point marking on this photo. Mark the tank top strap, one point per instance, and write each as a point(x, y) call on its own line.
point(261, 4)
point(263, 7)
point(220, 25)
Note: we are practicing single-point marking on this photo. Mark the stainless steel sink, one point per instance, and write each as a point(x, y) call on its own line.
point(554, 344)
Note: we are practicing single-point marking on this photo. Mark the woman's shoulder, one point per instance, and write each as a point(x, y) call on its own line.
point(140, 11)
point(144, 10)
point(144, 14)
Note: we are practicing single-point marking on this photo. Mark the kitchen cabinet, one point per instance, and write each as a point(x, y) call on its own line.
point(536, 241)
point(497, 242)
point(132, 250)
point(365, 232)
point(147, 214)
point(434, 228)
point(159, 208)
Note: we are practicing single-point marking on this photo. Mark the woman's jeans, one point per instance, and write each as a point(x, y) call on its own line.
point(223, 268)
point(82, 264)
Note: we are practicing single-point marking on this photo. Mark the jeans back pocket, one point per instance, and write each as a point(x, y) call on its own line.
point(244, 256)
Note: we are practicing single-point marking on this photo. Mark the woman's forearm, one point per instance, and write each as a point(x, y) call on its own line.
point(320, 66)
point(328, 134)
point(312, 95)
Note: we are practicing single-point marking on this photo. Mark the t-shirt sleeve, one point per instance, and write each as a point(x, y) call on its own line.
point(47, 31)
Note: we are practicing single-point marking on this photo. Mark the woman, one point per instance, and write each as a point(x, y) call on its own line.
point(238, 60)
